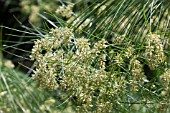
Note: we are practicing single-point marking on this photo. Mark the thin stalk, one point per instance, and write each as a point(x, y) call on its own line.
point(1, 59)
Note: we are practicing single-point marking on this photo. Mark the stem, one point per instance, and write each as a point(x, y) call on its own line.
point(1, 59)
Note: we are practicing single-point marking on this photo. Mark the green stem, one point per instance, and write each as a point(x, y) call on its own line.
point(1, 59)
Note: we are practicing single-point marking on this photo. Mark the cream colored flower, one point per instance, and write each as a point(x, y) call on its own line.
point(65, 11)
point(9, 64)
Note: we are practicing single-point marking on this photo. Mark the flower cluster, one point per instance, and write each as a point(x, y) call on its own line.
point(46, 56)
point(65, 11)
point(137, 68)
point(138, 76)
point(89, 70)
point(165, 80)
point(154, 52)
point(33, 7)
point(129, 52)
point(80, 66)
point(117, 39)
point(9, 64)
point(27, 8)
point(118, 59)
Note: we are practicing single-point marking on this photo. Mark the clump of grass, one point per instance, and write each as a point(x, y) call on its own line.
point(18, 93)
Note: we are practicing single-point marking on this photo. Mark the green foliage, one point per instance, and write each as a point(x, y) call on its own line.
point(18, 93)
point(115, 55)
point(112, 56)
point(62, 8)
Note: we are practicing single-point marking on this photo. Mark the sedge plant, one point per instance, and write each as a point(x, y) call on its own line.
point(111, 57)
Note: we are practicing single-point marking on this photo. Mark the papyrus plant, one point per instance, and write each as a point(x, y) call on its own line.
point(113, 56)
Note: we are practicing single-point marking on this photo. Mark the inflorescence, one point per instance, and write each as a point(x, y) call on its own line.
point(96, 75)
